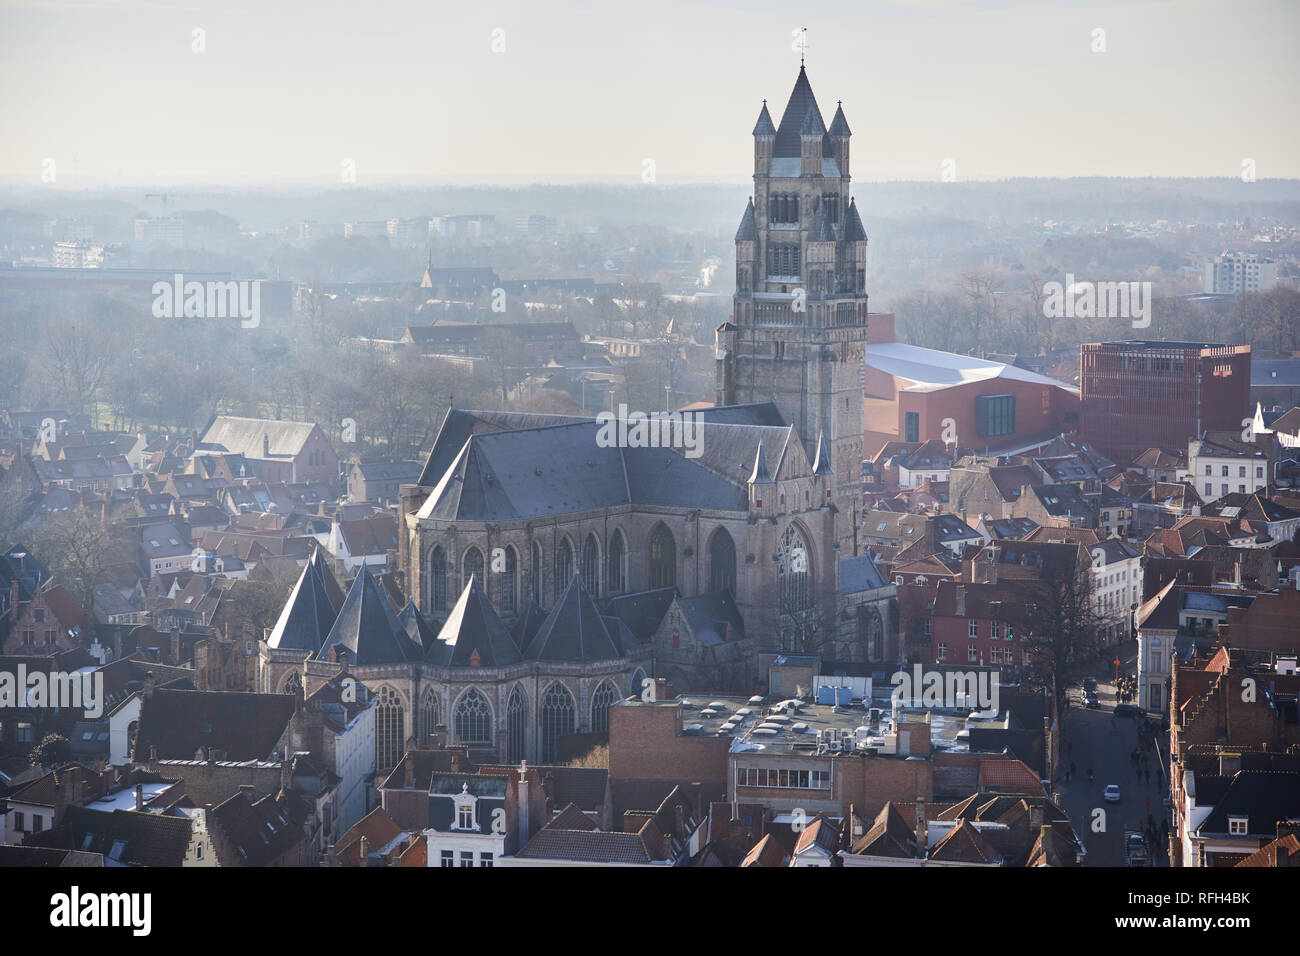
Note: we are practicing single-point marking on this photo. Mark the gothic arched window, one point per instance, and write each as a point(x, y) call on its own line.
point(515, 746)
point(663, 558)
point(472, 567)
point(591, 565)
point(563, 566)
point(438, 580)
point(430, 714)
point(600, 704)
point(637, 685)
point(535, 580)
point(615, 564)
point(509, 593)
point(390, 729)
point(473, 719)
point(795, 568)
point(722, 562)
point(558, 714)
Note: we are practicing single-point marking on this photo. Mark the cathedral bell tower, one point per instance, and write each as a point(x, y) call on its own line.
point(798, 331)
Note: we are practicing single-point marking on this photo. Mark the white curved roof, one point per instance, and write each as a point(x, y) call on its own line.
point(930, 370)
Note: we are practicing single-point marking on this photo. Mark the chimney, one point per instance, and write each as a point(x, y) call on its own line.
point(365, 851)
point(961, 601)
point(147, 692)
point(139, 796)
point(266, 445)
point(410, 772)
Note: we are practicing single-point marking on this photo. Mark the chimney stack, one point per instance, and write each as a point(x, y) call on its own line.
point(139, 796)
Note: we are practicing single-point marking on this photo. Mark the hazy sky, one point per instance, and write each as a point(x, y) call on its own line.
point(413, 92)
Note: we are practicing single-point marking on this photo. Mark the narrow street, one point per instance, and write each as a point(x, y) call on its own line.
point(1104, 742)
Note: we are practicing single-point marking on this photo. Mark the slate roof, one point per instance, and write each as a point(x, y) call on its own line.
point(801, 113)
point(180, 722)
point(417, 628)
point(748, 227)
point(255, 833)
point(851, 226)
point(708, 616)
point(1265, 797)
point(472, 628)
point(525, 627)
point(840, 125)
point(309, 613)
point(859, 573)
point(642, 611)
point(561, 469)
point(764, 125)
point(588, 846)
point(367, 629)
point(574, 630)
point(129, 837)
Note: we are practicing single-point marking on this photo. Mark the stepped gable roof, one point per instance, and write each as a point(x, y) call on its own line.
point(309, 613)
point(367, 629)
point(748, 226)
point(474, 634)
point(574, 630)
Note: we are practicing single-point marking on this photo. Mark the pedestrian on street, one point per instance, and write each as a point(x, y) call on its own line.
point(1090, 775)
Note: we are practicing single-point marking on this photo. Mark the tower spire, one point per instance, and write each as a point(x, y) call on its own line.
point(803, 45)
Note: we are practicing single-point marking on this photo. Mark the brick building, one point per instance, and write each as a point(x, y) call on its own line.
point(1144, 394)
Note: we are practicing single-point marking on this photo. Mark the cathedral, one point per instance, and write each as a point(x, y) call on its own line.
point(549, 573)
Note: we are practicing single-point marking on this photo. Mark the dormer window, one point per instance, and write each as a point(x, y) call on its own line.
point(1238, 826)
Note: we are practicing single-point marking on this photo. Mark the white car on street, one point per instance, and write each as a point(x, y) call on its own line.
point(1111, 793)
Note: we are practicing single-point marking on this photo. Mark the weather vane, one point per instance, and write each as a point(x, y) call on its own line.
point(803, 44)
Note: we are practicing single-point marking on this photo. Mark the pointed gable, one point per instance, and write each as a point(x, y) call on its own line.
point(797, 110)
point(308, 615)
point(748, 226)
point(474, 634)
point(574, 630)
point(764, 125)
point(840, 125)
point(367, 630)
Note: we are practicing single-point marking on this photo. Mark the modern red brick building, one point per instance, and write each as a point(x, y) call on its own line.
point(1140, 395)
point(914, 394)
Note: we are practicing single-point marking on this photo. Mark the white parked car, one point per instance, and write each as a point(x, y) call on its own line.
point(1111, 794)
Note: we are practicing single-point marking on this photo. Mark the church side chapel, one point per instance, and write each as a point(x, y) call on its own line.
point(550, 574)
